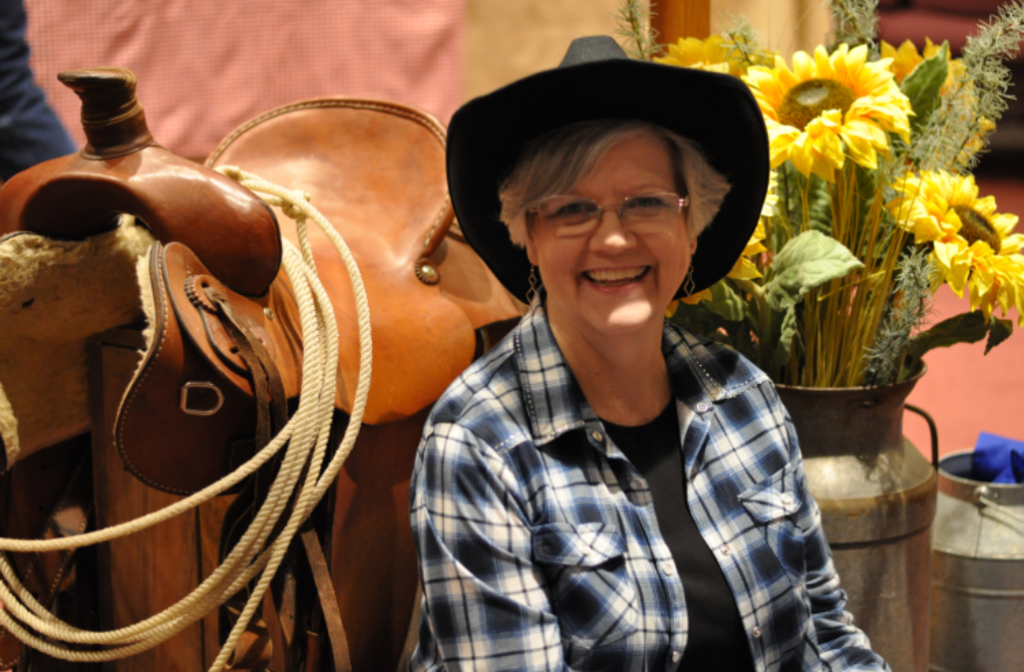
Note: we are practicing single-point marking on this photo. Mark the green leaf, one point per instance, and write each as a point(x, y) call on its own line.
point(923, 84)
point(788, 334)
point(963, 328)
point(810, 259)
point(699, 320)
point(725, 302)
point(999, 331)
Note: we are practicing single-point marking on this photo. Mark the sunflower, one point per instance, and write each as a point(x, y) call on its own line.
point(973, 246)
point(906, 58)
point(711, 54)
point(716, 54)
point(829, 107)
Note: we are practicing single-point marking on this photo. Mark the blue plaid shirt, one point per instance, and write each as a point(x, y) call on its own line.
point(538, 542)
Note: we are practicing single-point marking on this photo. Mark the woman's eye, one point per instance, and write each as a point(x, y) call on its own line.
point(574, 209)
point(646, 203)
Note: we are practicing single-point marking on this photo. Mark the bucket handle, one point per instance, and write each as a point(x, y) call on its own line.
point(984, 496)
point(932, 428)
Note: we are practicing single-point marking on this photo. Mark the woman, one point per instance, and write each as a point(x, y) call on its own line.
point(602, 490)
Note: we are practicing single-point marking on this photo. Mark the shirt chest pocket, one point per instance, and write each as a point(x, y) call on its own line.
point(592, 593)
point(774, 505)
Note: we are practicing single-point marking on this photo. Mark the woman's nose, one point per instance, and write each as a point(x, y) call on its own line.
point(611, 234)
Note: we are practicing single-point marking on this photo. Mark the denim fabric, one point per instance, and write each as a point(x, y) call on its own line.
point(30, 132)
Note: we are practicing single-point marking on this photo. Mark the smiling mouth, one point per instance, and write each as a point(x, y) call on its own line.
point(616, 277)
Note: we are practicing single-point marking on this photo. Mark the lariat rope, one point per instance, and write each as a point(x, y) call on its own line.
point(305, 435)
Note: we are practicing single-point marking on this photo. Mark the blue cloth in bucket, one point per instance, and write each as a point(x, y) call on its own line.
point(998, 459)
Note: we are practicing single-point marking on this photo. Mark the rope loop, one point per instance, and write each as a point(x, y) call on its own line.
point(303, 440)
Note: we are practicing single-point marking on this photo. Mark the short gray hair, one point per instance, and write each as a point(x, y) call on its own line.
point(554, 162)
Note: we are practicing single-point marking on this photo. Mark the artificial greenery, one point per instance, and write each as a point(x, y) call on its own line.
point(872, 205)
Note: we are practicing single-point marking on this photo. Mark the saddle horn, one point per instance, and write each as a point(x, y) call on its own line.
point(112, 118)
point(123, 169)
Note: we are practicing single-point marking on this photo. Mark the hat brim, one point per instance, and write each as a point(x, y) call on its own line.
point(487, 135)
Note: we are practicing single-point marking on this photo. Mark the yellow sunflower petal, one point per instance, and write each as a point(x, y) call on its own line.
point(1012, 244)
point(963, 191)
point(983, 206)
point(819, 149)
point(694, 299)
point(904, 59)
point(770, 199)
point(815, 136)
point(744, 269)
point(862, 139)
point(803, 66)
point(957, 274)
point(780, 139)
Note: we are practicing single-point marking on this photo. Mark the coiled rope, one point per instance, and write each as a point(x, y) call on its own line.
point(305, 435)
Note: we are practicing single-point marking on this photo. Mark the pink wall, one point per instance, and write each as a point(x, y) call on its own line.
point(205, 67)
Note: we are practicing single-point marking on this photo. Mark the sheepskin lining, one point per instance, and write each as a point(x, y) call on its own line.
point(54, 295)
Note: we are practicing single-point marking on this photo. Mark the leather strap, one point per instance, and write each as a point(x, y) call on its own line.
point(268, 388)
point(328, 599)
point(46, 574)
point(253, 649)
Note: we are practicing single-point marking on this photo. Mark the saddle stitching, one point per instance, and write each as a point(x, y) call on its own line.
point(141, 378)
point(422, 119)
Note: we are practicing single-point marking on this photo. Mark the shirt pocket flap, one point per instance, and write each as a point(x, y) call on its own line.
point(583, 545)
point(774, 497)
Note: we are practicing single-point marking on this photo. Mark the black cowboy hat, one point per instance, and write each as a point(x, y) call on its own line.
point(596, 80)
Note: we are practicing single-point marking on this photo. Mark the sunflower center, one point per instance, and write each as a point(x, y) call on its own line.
point(977, 227)
point(807, 100)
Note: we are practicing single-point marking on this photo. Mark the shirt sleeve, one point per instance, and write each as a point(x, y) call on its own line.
point(842, 645)
point(485, 606)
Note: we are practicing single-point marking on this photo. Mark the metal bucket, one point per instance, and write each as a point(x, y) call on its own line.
point(977, 572)
point(877, 497)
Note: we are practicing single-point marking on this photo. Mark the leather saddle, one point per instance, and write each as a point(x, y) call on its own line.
point(222, 365)
point(376, 171)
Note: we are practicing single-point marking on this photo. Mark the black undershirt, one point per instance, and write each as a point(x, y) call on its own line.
point(717, 640)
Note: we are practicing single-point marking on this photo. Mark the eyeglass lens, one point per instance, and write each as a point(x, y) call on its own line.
point(573, 215)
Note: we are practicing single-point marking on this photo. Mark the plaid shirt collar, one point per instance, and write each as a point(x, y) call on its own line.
point(554, 402)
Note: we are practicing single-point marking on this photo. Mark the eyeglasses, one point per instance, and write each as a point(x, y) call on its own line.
point(568, 215)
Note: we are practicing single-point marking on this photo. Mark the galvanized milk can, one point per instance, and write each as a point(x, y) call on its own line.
point(877, 497)
point(977, 573)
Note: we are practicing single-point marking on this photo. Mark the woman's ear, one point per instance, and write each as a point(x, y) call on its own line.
point(531, 247)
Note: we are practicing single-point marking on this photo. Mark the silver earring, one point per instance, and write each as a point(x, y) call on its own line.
point(531, 293)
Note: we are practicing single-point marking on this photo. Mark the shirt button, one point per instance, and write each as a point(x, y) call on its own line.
point(676, 656)
point(585, 550)
point(702, 407)
point(756, 632)
point(724, 550)
point(788, 499)
point(669, 568)
point(637, 484)
point(597, 436)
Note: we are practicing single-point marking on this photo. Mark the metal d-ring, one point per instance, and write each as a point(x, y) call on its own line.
point(203, 386)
